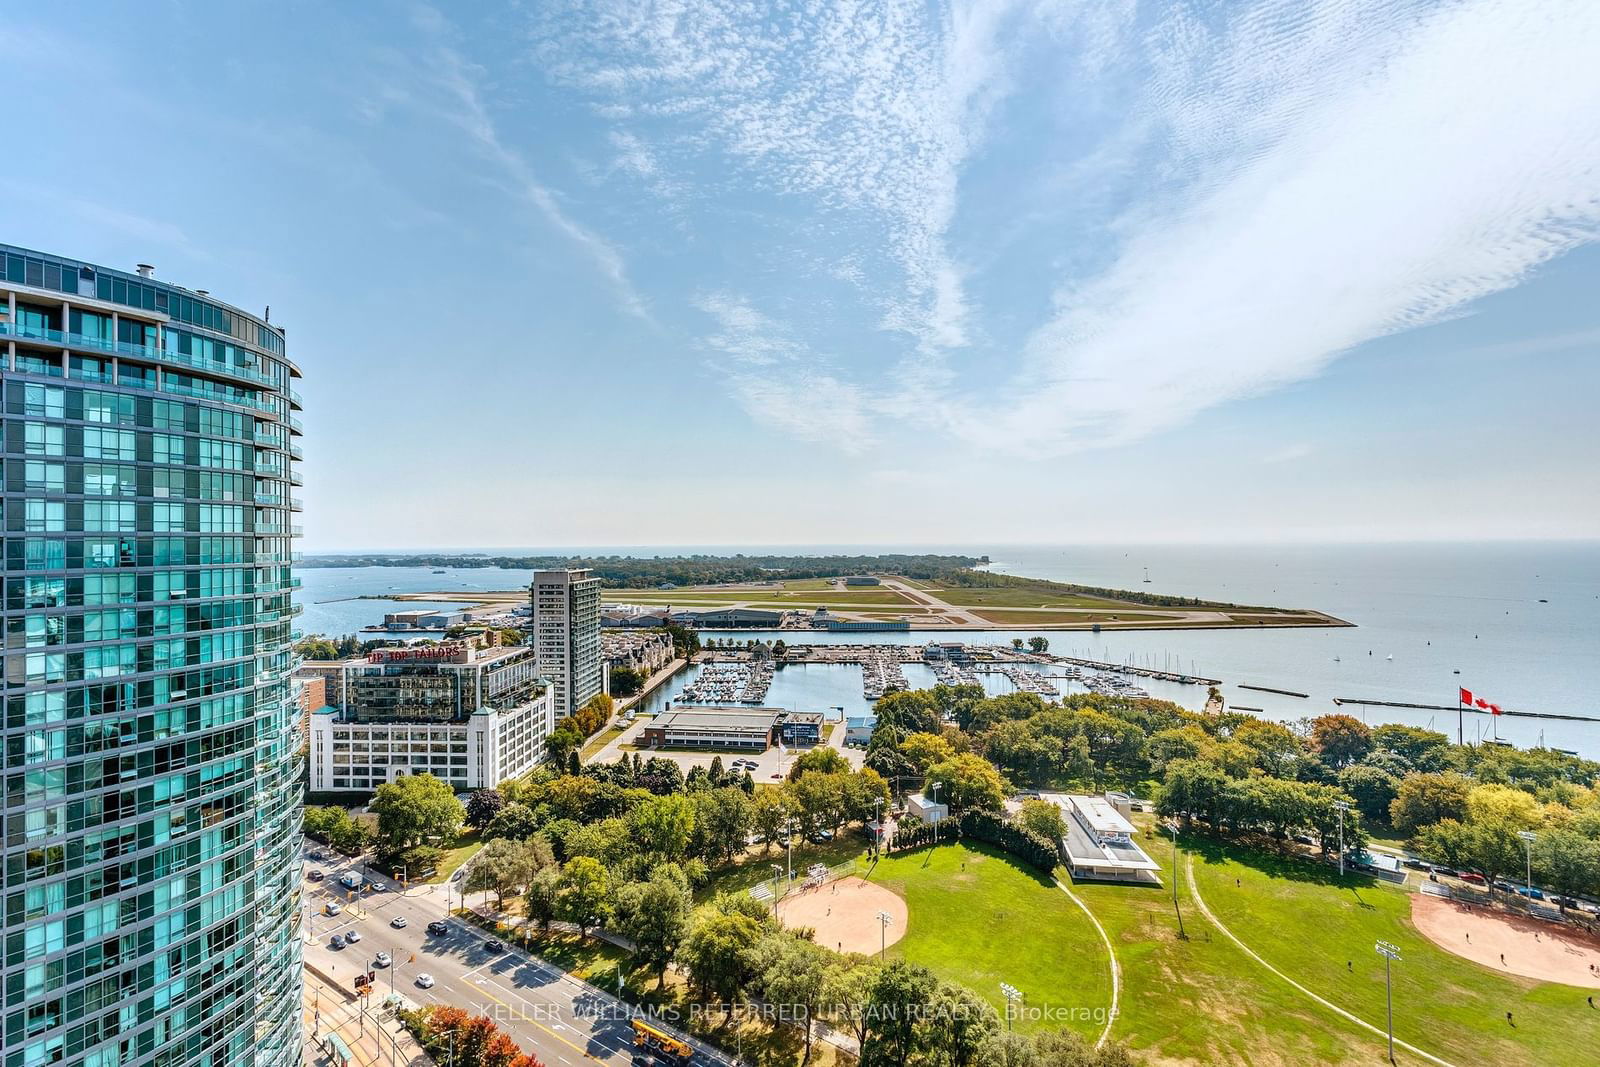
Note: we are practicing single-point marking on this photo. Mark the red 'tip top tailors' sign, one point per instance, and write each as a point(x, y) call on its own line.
point(418, 654)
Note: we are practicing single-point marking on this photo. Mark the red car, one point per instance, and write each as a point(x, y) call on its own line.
point(1472, 876)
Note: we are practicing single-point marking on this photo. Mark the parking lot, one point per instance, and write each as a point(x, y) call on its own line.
point(770, 766)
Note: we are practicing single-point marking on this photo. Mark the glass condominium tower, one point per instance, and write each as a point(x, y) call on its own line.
point(152, 794)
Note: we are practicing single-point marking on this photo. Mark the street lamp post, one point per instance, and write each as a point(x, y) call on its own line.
point(935, 788)
point(1528, 838)
point(885, 920)
point(777, 873)
point(1176, 910)
point(1390, 955)
point(1012, 995)
point(1343, 807)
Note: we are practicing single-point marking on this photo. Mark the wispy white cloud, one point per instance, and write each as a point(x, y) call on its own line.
point(466, 109)
point(778, 381)
point(1340, 171)
point(866, 108)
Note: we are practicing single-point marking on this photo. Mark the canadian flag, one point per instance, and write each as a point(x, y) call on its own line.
point(1482, 703)
point(1465, 697)
point(1495, 708)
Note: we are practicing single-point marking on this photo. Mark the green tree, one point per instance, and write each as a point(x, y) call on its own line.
point(1042, 818)
point(722, 819)
point(770, 813)
point(1039, 644)
point(823, 760)
point(849, 988)
point(1567, 862)
point(1372, 789)
point(896, 1033)
point(796, 981)
point(585, 893)
point(663, 826)
point(414, 809)
point(626, 681)
point(542, 900)
point(1274, 748)
point(655, 916)
point(909, 711)
point(516, 821)
point(1424, 799)
point(501, 867)
point(924, 750)
point(563, 741)
point(960, 1025)
point(717, 952)
point(968, 782)
point(1193, 789)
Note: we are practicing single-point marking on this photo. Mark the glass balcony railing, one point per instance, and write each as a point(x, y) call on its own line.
point(137, 351)
point(295, 426)
point(295, 399)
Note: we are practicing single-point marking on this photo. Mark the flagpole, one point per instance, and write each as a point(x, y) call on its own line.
point(1461, 716)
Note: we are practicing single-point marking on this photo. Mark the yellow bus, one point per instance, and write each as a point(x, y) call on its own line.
point(650, 1039)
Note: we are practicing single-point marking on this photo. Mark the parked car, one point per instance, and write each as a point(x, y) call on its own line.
point(398, 922)
point(351, 937)
point(424, 980)
point(438, 928)
point(331, 908)
point(382, 959)
point(315, 876)
point(1532, 893)
point(821, 837)
point(1414, 863)
point(1472, 876)
point(1447, 871)
point(1567, 902)
point(318, 855)
point(493, 945)
point(336, 941)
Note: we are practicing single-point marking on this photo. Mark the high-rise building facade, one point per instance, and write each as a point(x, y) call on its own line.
point(566, 634)
point(152, 819)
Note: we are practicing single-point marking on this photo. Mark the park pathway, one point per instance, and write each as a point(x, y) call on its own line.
point(1111, 955)
point(1200, 902)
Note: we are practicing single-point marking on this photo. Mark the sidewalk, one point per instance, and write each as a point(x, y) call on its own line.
point(374, 1039)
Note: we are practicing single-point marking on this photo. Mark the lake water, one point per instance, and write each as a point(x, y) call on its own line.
point(1521, 622)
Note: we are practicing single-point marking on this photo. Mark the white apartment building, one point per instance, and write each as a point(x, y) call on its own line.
point(566, 635)
point(480, 753)
point(470, 716)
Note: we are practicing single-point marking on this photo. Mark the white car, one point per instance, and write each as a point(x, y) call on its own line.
point(425, 981)
point(398, 922)
point(332, 907)
point(383, 959)
point(351, 937)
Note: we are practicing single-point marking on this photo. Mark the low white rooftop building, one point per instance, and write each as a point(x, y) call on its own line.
point(1098, 843)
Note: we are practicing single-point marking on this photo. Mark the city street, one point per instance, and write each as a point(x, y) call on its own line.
point(549, 1013)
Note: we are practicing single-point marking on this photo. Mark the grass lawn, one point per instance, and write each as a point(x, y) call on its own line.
point(1011, 597)
point(980, 917)
point(1308, 923)
point(1024, 619)
point(457, 852)
point(600, 740)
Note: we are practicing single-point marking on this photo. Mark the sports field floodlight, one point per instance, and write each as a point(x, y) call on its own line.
point(1390, 955)
point(1342, 807)
point(1172, 825)
point(1528, 838)
point(885, 920)
point(1012, 995)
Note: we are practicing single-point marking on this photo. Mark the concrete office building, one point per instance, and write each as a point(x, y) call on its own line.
point(566, 635)
point(470, 716)
point(152, 853)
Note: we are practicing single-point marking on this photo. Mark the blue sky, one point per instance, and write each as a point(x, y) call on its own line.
point(902, 272)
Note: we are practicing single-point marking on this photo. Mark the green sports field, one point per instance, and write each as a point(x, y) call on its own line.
point(980, 917)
